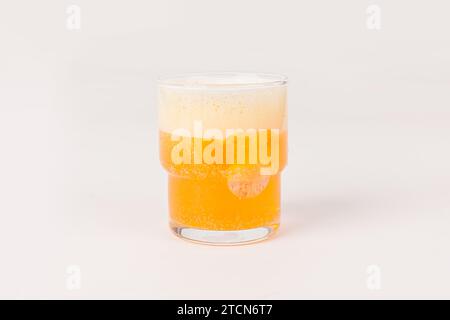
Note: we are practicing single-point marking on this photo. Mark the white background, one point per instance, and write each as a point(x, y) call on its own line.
point(368, 180)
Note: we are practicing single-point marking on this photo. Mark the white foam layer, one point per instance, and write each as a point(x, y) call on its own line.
point(243, 106)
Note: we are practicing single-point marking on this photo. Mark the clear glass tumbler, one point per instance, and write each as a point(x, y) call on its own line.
point(223, 143)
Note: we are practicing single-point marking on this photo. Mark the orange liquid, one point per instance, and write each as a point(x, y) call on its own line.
point(222, 196)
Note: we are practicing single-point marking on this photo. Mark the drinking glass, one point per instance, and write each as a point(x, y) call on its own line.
point(223, 143)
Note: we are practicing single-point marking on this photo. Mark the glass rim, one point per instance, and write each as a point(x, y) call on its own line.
point(223, 80)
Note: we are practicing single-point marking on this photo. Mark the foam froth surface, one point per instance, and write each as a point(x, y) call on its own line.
point(234, 101)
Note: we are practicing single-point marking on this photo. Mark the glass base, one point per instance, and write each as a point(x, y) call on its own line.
point(225, 238)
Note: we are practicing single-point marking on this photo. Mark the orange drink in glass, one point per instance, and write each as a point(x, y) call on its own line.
point(223, 143)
